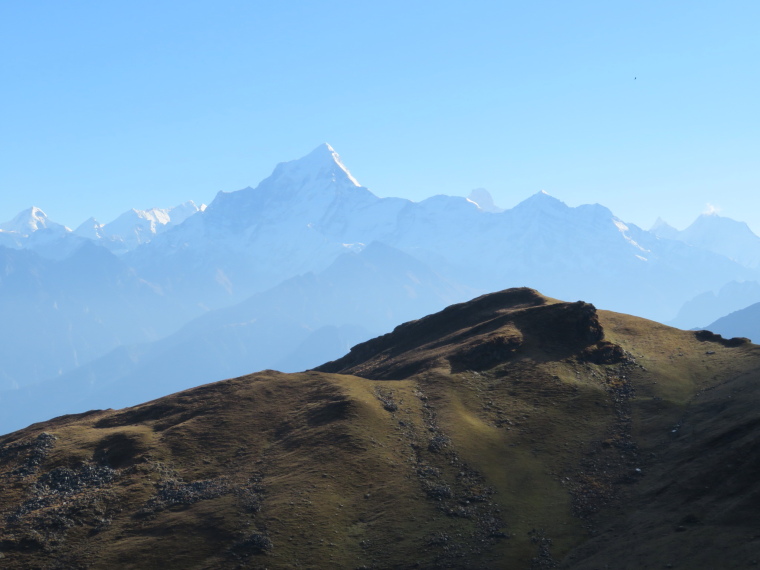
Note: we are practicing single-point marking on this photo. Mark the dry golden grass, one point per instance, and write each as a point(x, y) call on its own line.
point(514, 431)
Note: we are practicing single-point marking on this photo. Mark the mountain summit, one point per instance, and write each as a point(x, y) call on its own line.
point(301, 191)
point(299, 219)
point(716, 233)
point(484, 200)
point(29, 221)
point(321, 164)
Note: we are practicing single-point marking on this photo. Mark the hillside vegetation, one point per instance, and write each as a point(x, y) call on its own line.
point(512, 431)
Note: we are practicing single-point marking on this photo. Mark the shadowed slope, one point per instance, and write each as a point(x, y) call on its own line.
point(476, 335)
point(514, 431)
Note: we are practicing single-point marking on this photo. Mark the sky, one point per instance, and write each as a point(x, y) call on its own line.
point(647, 107)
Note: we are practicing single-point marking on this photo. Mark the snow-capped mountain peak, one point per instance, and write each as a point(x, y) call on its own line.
point(712, 221)
point(725, 236)
point(322, 164)
point(179, 214)
point(29, 221)
point(661, 228)
point(718, 234)
point(135, 227)
point(90, 228)
point(151, 221)
point(541, 201)
point(484, 200)
point(138, 222)
point(307, 192)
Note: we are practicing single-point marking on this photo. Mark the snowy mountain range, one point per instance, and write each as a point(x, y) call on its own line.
point(717, 234)
point(308, 261)
point(29, 221)
point(32, 229)
point(136, 227)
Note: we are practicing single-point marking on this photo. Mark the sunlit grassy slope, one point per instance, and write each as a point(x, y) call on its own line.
point(513, 431)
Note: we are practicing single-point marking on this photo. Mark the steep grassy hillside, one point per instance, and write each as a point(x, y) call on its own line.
point(513, 431)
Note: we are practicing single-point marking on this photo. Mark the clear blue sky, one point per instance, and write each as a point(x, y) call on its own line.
point(112, 105)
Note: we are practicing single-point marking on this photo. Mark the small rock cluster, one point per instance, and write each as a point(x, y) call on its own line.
point(436, 490)
point(438, 443)
point(58, 500)
point(63, 483)
point(251, 496)
point(387, 398)
point(543, 543)
point(36, 450)
point(172, 492)
point(254, 543)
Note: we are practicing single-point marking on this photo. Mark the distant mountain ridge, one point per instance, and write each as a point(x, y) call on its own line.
point(135, 227)
point(58, 315)
point(311, 210)
point(744, 322)
point(707, 307)
point(33, 229)
point(29, 221)
point(717, 234)
point(298, 324)
point(152, 272)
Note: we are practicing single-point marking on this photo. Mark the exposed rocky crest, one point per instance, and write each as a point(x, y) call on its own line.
point(477, 335)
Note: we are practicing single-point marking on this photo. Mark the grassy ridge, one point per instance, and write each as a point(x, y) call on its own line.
point(514, 431)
